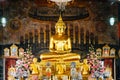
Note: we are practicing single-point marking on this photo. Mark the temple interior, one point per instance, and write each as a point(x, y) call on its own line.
point(59, 39)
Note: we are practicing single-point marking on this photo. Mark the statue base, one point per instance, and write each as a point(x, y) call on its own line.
point(63, 66)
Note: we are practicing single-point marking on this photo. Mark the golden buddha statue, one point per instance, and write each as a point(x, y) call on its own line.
point(85, 68)
point(48, 72)
point(60, 67)
point(11, 73)
point(60, 46)
point(108, 72)
point(34, 67)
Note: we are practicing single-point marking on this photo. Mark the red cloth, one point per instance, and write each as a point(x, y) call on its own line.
point(48, 74)
point(8, 63)
point(119, 29)
point(108, 62)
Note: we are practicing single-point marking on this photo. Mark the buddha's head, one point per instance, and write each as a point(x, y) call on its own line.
point(85, 61)
point(60, 26)
point(34, 60)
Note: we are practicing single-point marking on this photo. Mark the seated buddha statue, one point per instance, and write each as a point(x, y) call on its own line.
point(60, 45)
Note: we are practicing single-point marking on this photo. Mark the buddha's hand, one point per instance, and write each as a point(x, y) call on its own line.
point(60, 51)
point(52, 50)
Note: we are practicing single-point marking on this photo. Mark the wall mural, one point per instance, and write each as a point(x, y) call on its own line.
point(52, 14)
point(21, 23)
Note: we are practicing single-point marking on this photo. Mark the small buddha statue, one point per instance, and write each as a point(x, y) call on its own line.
point(48, 70)
point(60, 67)
point(11, 73)
point(34, 67)
point(60, 45)
point(85, 68)
point(108, 73)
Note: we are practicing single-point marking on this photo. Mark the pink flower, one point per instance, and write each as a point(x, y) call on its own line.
point(26, 66)
point(101, 70)
point(92, 71)
point(28, 62)
point(94, 67)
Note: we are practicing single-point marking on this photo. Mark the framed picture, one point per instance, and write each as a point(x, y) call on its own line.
point(6, 52)
point(14, 25)
point(14, 50)
point(21, 52)
point(112, 52)
point(98, 52)
point(106, 51)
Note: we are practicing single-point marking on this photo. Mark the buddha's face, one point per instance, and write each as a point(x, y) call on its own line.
point(60, 31)
point(85, 61)
point(34, 60)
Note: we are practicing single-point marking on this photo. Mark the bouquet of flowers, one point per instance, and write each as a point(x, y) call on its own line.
point(22, 65)
point(96, 65)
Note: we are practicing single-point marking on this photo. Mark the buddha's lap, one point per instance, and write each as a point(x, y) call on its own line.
point(59, 55)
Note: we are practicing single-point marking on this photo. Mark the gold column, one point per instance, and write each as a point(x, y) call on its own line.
point(78, 35)
point(68, 31)
point(49, 31)
point(74, 34)
point(39, 37)
point(44, 35)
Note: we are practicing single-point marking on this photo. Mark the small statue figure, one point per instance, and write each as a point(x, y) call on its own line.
point(79, 75)
point(60, 68)
point(48, 70)
point(11, 73)
point(35, 69)
point(85, 68)
point(40, 72)
point(73, 70)
point(108, 73)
